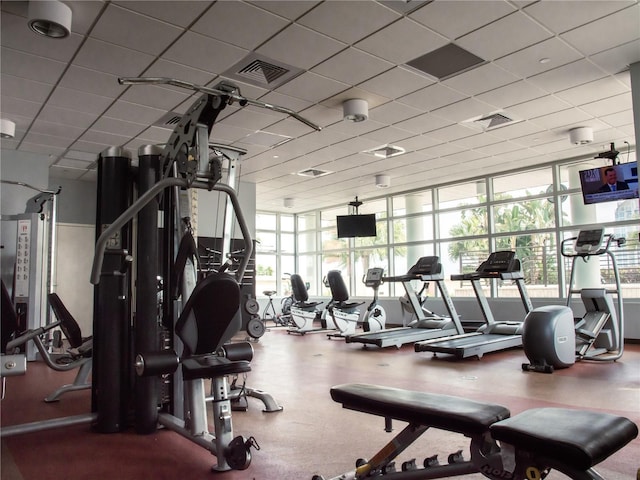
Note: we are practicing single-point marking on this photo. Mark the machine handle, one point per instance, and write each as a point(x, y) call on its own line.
point(243, 101)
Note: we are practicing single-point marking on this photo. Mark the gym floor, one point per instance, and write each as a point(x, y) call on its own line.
point(313, 434)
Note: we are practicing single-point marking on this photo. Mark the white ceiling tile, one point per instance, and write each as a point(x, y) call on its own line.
point(619, 58)
point(81, 101)
point(45, 149)
point(72, 163)
point(419, 143)
point(424, 123)
point(181, 13)
point(477, 140)
point(388, 135)
point(348, 21)
point(112, 59)
point(452, 132)
point(91, 81)
point(132, 30)
point(134, 113)
point(392, 112)
point(286, 8)
point(312, 87)
point(300, 47)
point(481, 79)
point(25, 65)
point(561, 78)
point(56, 129)
point(25, 89)
point(197, 51)
point(517, 92)
point(488, 42)
point(589, 92)
point(618, 119)
point(118, 126)
point(538, 107)
point(396, 82)
point(564, 117)
point(564, 15)
point(527, 62)
point(155, 96)
point(68, 116)
point(166, 68)
point(620, 27)
point(352, 66)
point(432, 97)
point(515, 130)
point(464, 110)
point(47, 140)
point(402, 41)
point(90, 147)
point(15, 34)
point(239, 23)
point(454, 19)
point(608, 106)
point(104, 138)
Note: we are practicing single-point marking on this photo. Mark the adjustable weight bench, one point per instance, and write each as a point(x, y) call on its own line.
point(531, 443)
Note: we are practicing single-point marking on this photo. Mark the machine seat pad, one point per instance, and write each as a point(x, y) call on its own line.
point(306, 305)
point(445, 412)
point(347, 305)
point(212, 366)
point(577, 438)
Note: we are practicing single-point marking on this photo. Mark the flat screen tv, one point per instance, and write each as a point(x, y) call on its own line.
point(356, 225)
point(598, 183)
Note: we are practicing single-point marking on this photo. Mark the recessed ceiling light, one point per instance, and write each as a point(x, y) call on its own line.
point(544, 60)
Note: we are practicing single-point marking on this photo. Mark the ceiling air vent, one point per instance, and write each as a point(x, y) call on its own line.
point(313, 172)
point(491, 121)
point(386, 151)
point(261, 71)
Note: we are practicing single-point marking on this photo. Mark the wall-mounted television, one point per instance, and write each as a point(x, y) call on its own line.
point(356, 225)
point(609, 183)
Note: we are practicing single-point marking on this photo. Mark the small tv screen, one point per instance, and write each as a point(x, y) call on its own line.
point(356, 225)
point(609, 183)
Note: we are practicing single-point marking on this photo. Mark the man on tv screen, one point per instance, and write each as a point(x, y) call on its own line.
point(612, 183)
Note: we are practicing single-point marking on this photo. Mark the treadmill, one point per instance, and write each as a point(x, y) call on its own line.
point(493, 336)
point(427, 325)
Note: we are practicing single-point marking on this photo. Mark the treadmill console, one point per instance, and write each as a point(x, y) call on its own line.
point(426, 266)
point(589, 240)
point(503, 261)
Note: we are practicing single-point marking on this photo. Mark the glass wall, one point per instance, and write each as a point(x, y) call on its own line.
point(530, 212)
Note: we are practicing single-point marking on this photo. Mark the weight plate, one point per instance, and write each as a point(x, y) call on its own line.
point(256, 328)
point(252, 306)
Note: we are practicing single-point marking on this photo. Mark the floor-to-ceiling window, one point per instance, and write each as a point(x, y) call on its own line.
point(530, 211)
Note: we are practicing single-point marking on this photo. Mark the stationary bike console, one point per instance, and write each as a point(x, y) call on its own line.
point(373, 278)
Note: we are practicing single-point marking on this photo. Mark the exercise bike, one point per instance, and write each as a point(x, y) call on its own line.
point(526, 446)
point(375, 317)
point(553, 338)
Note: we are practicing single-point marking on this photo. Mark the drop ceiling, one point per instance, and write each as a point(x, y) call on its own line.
point(549, 66)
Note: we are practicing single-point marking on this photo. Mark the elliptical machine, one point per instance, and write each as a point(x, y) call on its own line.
point(375, 317)
point(553, 338)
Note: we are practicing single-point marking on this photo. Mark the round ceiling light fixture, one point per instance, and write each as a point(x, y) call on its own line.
point(355, 110)
point(7, 128)
point(50, 18)
point(581, 135)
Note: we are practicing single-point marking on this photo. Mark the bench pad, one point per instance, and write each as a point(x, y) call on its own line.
point(573, 437)
point(439, 411)
point(212, 366)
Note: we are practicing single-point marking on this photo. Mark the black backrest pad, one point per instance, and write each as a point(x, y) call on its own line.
point(9, 319)
point(68, 324)
point(337, 286)
point(298, 288)
point(211, 316)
